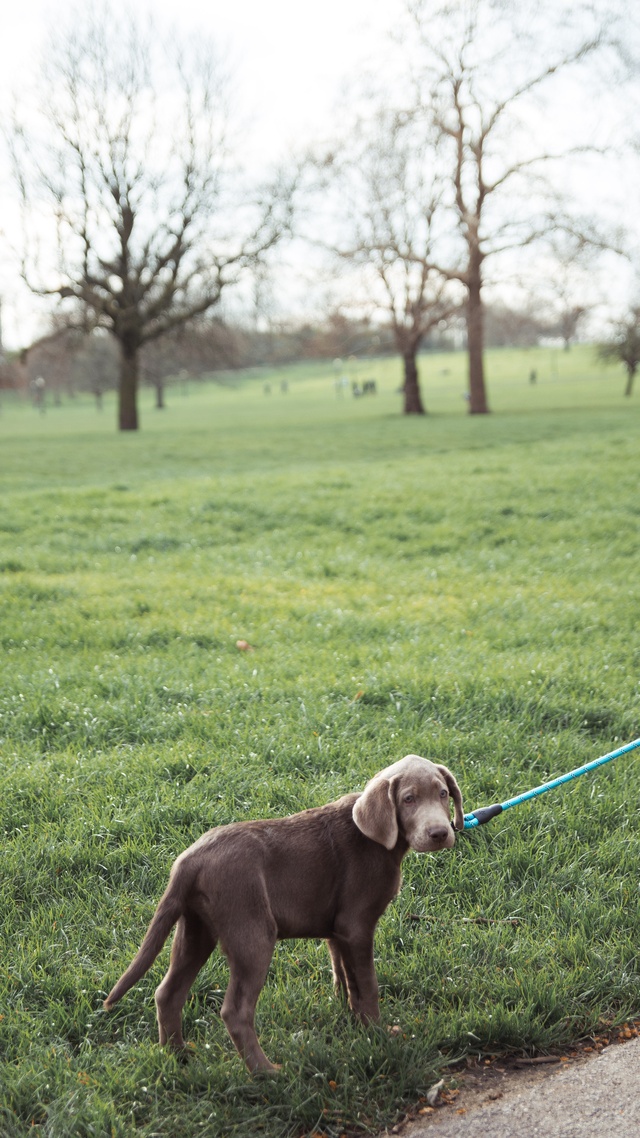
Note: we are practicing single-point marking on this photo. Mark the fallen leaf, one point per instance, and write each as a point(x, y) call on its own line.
point(434, 1092)
point(449, 1096)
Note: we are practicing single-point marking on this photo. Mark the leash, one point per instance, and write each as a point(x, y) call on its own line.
point(485, 813)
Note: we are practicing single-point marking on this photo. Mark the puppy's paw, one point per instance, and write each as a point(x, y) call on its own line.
point(272, 1069)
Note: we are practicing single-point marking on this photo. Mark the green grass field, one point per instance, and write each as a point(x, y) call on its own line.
point(465, 588)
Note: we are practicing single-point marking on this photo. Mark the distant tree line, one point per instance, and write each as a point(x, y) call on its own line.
point(70, 361)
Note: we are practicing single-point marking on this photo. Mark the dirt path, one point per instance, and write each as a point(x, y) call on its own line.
point(591, 1095)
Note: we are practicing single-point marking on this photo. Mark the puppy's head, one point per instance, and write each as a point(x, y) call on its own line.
point(410, 798)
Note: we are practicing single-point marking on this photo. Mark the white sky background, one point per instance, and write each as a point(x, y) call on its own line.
point(289, 60)
point(288, 56)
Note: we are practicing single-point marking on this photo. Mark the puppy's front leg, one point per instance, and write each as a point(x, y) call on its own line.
point(356, 955)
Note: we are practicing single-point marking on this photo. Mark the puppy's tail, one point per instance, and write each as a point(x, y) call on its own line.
point(170, 908)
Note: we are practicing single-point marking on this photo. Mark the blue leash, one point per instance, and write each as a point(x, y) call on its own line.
point(485, 813)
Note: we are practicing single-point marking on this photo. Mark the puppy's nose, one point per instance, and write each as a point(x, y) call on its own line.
point(438, 836)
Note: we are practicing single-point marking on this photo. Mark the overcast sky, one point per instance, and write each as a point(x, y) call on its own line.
point(288, 59)
point(288, 56)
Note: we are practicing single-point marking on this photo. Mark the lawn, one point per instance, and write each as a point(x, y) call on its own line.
point(463, 588)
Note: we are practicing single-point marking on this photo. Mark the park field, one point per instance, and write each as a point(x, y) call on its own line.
point(464, 588)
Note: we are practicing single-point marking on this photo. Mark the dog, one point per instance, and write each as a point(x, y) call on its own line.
point(327, 872)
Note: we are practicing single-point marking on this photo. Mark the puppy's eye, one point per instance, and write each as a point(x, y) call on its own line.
point(409, 798)
point(444, 793)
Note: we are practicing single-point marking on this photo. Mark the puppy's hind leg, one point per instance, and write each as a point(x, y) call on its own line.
point(192, 947)
point(340, 985)
point(249, 957)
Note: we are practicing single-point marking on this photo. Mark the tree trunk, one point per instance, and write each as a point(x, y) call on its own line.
point(475, 342)
point(160, 405)
point(412, 398)
point(128, 392)
point(631, 371)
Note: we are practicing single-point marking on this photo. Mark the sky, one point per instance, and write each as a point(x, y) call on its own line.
point(290, 61)
point(289, 55)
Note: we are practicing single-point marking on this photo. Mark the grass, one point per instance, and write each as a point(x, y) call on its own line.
point(463, 588)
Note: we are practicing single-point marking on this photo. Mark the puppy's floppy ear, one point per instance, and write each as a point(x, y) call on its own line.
point(456, 794)
point(374, 813)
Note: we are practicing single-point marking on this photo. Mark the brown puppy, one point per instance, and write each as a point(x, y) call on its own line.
point(328, 872)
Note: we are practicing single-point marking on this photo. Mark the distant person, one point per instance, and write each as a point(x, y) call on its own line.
point(38, 393)
point(267, 389)
point(533, 375)
point(284, 386)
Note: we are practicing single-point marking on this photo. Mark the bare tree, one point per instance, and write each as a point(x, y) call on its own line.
point(509, 326)
point(131, 166)
point(391, 201)
point(479, 66)
point(96, 365)
point(567, 294)
point(49, 362)
point(624, 346)
point(166, 358)
point(12, 376)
